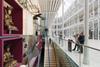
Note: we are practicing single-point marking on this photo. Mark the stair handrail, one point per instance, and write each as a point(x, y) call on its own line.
point(82, 45)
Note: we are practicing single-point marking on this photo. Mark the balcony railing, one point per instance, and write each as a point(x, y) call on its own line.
point(77, 59)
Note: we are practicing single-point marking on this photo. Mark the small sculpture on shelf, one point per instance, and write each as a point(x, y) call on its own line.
point(8, 58)
point(8, 20)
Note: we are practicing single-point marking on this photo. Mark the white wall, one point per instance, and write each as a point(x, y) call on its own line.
point(27, 23)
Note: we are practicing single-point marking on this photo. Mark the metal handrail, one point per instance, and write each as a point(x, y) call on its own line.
point(55, 54)
point(92, 48)
point(83, 45)
point(48, 53)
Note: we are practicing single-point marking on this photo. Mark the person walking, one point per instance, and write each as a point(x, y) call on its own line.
point(50, 40)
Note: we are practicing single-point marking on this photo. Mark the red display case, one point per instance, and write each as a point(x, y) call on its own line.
point(16, 48)
point(17, 17)
point(13, 38)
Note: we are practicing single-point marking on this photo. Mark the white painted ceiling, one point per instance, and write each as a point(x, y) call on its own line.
point(48, 8)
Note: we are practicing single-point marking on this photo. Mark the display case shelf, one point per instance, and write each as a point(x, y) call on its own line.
point(16, 49)
point(16, 17)
point(11, 17)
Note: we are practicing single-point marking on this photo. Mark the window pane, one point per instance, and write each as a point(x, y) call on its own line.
point(72, 31)
point(90, 0)
point(90, 10)
point(75, 19)
point(67, 32)
point(76, 30)
point(55, 33)
point(99, 28)
point(99, 7)
point(64, 32)
point(96, 7)
point(71, 34)
point(96, 29)
point(81, 16)
point(91, 30)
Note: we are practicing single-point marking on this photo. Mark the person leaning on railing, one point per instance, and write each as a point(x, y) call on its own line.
point(76, 42)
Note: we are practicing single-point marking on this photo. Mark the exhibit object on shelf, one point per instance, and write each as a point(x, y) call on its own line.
point(8, 20)
point(9, 61)
point(11, 14)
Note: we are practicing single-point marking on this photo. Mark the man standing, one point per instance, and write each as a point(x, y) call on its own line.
point(81, 40)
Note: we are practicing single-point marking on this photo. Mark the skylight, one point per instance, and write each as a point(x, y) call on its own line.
point(66, 4)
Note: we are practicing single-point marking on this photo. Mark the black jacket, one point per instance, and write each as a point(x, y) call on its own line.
point(81, 39)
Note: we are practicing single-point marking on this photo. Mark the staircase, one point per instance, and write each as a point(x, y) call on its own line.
point(64, 59)
point(50, 57)
point(55, 57)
